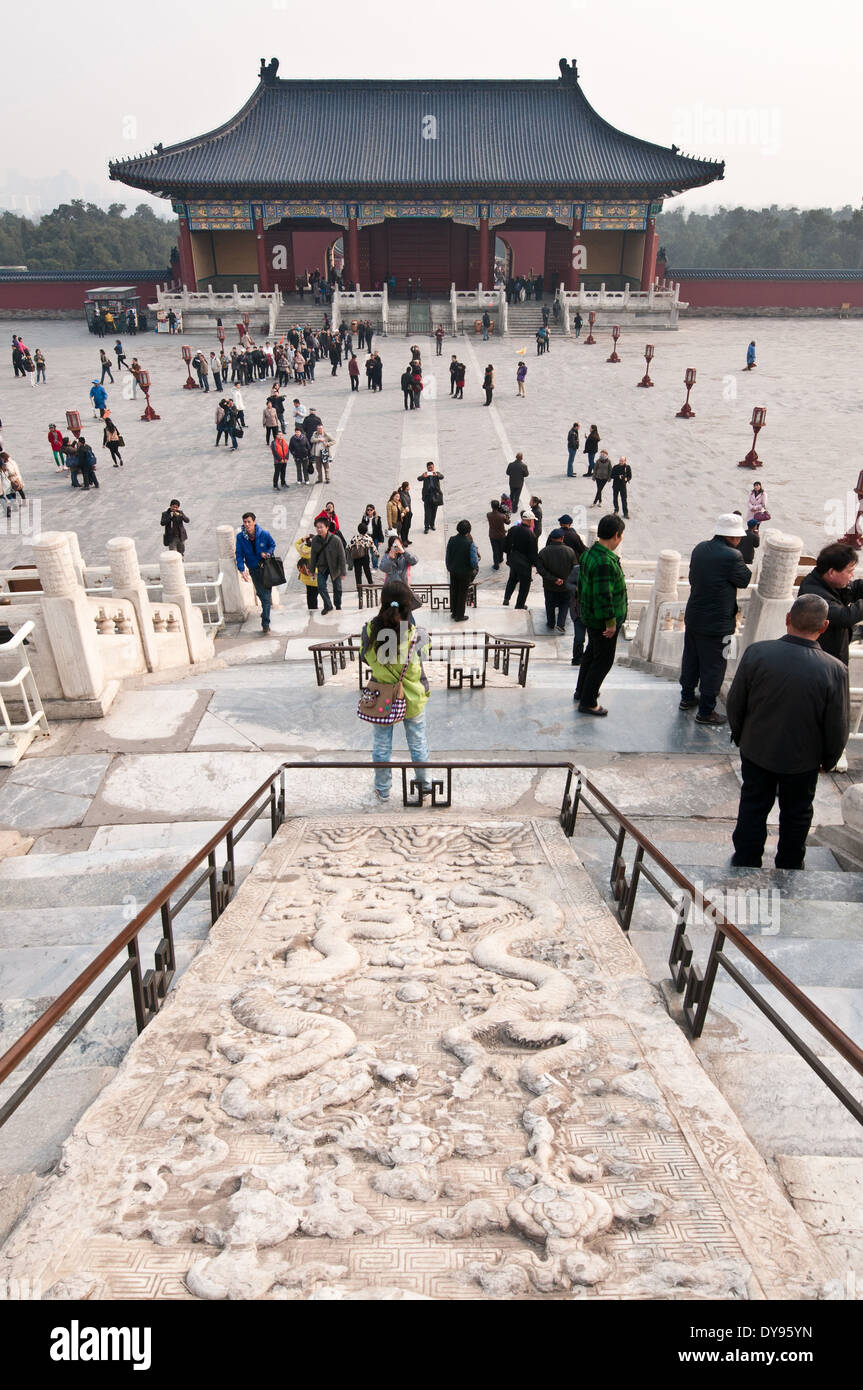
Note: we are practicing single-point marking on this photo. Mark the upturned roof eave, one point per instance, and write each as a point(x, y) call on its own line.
point(256, 192)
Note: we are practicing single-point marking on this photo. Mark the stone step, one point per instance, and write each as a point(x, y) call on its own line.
point(127, 876)
point(716, 853)
point(808, 962)
point(803, 918)
point(32, 1139)
point(614, 1083)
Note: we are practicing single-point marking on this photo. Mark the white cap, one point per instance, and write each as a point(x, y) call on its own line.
point(729, 524)
point(528, 516)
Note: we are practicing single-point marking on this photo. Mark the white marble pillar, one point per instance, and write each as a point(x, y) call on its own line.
point(238, 597)
point(68, 620)
point(664, 590)
point(128, 584)
point(75, 552)
point(176, 591)
point(773, 595)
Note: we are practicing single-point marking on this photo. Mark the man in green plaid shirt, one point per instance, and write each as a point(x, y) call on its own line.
point(602, 609)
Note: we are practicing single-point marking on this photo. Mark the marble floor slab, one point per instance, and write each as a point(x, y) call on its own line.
point(414, 1062)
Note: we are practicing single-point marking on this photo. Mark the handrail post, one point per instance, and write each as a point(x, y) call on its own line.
point(618, 857)
point(628, 903)
point(137, 985)
point(706, 984)
point(229, 868)
point(214, 895)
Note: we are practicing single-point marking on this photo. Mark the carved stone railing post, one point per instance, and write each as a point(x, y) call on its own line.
point(128, 584)
point(769, 603)
point(175, 590)
point(238, 598)
point(69, 620)
point(664, 590)
point(75, 552)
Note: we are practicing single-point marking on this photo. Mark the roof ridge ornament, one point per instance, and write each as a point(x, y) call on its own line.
point(568, 71)
point(268, 71)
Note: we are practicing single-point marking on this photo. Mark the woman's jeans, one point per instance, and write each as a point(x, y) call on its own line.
point(382, 747)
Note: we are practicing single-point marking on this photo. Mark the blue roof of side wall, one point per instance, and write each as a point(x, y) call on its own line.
point(88, 277)
point(320, 136)
point(751, 274)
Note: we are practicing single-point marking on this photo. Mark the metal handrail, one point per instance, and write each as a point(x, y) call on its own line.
point(148, 991)
point(500, 649)
point(687, 977)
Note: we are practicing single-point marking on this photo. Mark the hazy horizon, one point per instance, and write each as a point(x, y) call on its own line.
point(776, 101)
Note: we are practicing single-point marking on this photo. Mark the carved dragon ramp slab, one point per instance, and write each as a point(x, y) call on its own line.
point(413, 1062)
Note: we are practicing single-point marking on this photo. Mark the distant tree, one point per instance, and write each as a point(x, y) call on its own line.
point(83, 236)
point(770, 238)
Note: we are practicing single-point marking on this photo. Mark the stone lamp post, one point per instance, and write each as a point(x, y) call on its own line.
point(686, 412)
point(73, 421)
point(144, 383)
point(591, 320)
point(759, 415)
point(648, 358)
point(615, 333)
point(188, 384)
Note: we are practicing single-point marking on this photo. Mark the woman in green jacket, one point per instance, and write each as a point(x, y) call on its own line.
point(387, 641)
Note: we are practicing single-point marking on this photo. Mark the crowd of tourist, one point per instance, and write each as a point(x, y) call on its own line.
point(582, 584)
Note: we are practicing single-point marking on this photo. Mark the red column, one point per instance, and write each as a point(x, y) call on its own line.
point(352, 252)
point(187, 260)
point(648, 262)
point(265, 281)
point(573, 273)
point(483, 251)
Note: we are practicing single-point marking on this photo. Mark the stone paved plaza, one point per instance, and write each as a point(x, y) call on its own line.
point(684, 471)
point(100, 815)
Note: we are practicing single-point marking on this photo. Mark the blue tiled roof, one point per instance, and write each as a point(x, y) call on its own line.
point(326, 137)
point(750, 274)
point(89, 277)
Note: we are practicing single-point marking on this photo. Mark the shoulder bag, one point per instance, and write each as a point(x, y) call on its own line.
point(383, 702)
point(271, 572)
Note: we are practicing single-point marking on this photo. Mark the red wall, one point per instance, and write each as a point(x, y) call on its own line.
point(528, 249)
point(40, 295)
point(770, 294)
point(310, 248)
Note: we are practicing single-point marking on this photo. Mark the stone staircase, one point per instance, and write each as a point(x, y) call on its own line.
point(523, 320)
point(454, 1082)
point(60, 905)
point(59, 910)
point(303, 311)
point(809, 924)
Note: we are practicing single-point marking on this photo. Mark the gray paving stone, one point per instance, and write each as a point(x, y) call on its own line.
point(76, 775)
point(26, 808)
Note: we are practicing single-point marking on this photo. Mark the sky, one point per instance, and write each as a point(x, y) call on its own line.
point(770, 88)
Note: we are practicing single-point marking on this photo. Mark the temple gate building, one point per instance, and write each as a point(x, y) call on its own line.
point(416, 181)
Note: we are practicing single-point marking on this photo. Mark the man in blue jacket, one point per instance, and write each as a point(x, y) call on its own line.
point(254, 544)
point(99, 397)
